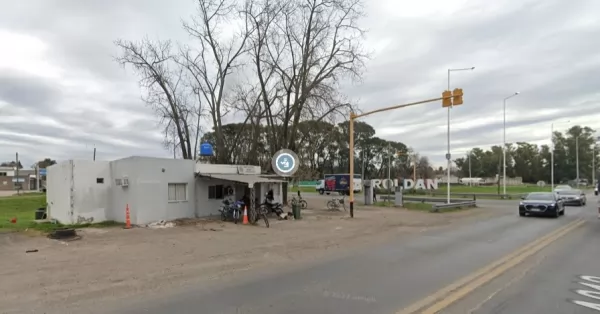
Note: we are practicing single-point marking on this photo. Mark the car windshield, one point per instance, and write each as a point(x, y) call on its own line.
point(540, 197)
point(569, 192)
point(563, 187)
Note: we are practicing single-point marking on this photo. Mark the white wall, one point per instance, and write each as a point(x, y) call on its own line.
point(204, 205)
point(92, 199)
point(122, 196)
point(58, 195)
point(223, 169)
point(147, 193)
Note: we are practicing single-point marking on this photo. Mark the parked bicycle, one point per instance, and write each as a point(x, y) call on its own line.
point(231, 211)
point(299, 201)
point(336, 203)
point(257, 213)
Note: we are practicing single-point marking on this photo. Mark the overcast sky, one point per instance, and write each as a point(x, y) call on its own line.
point(61, 93)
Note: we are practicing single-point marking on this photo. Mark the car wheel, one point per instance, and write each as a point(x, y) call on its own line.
point(556, 214)
point(322, 191)
point(521, 214)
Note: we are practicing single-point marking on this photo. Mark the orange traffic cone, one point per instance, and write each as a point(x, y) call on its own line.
point(245, 219)
point(127, 217)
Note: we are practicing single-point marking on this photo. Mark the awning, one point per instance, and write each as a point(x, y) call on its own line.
point(249, 179)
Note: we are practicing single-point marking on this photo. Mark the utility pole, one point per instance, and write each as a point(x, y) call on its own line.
point(577, 159)
point(362, 176)
point(470, 178)
point(504, 144)
point(390, 183)
point(17, 184)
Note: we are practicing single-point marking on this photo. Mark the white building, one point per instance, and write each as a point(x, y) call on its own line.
point(153, 189)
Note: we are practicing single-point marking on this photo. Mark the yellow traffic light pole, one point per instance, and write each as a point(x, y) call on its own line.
point(447, 100)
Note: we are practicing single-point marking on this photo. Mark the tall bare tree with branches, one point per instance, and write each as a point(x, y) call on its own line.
point(309, 46)
point(216, 57)
point(165, 91)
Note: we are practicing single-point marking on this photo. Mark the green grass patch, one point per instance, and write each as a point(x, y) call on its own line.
point(22, 208)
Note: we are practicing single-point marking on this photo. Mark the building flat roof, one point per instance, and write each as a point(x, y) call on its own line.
point(242, 178)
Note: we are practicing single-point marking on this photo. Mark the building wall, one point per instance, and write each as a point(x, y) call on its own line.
point(208, 207)
point(121, 196)
point(147, 194)
point(58, 195)
point(92, 181)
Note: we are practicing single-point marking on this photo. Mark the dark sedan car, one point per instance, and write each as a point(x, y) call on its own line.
point(541, 204)
point(572, 197)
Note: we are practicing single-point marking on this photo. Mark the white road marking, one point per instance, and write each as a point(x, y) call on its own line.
point(593, 294)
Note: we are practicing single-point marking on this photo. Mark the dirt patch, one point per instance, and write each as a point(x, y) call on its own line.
point(114, 263)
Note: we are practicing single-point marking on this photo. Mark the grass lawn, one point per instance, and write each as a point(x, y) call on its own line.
point(23, 209)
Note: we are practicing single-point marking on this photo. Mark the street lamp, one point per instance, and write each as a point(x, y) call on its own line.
point(504, 145)
point(448, 132)
point(470, 178)
point(552, 153)
point(577, 159)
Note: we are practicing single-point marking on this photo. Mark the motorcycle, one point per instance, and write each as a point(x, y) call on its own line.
point(276, 208)
point(231, 211)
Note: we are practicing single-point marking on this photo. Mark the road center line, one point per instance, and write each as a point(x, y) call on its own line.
point(446, 291)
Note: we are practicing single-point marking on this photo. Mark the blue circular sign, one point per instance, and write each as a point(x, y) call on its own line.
point(285, 162)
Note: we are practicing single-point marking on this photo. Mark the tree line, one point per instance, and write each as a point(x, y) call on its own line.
point(322, 148)
point(276, 70)
point(533, 162)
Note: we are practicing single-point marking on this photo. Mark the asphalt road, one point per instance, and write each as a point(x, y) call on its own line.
point(396, 275)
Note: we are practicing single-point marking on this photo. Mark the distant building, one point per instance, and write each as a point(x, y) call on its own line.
point(9, 181)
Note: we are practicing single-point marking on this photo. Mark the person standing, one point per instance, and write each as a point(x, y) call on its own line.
point(375, 195)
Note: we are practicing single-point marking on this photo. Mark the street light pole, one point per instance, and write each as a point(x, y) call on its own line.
point(552, 154)
point(448, 134)
point(470, 178)
point(577, 159)
point(504, 145)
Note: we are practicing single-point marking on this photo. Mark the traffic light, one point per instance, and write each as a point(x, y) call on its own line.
point(457, 95)
point(446, 99)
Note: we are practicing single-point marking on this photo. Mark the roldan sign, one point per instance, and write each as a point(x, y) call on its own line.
point(420, 184)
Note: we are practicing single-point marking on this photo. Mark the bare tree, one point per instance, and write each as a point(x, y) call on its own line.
point(311, 45)
point(214, 60)
point(161, 79)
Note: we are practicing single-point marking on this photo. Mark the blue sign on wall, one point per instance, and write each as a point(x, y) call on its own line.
point(206, 149)
point(42, 171)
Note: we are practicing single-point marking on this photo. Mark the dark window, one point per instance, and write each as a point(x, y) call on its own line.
point(100, 180)
point(2, 174)
point(215, 192)
point(219, 192)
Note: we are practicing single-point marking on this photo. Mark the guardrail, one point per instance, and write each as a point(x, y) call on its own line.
point(421, 199)
point(437, 207)
point(476, 195)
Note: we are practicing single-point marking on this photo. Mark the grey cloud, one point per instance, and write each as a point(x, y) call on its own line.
point(529, 45)
point(27, 91)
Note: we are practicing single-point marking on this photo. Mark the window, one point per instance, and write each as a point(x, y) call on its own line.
point(2, 174)
point(100, 180)
point(177, 192)
point(215, 192)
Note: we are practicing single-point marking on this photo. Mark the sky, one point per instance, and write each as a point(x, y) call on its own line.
point(62, 93)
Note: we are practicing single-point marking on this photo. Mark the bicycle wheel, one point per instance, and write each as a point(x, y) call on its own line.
point(303, 204)
point(331, 205)
point(236, 216)
point(265, 219)
point(223, 215)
